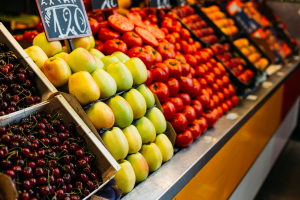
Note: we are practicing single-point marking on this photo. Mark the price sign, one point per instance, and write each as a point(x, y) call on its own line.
point(159, 4)
point(178, 2)
point(64, 19)
point(104, 4)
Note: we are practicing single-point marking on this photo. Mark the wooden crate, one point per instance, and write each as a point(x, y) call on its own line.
point(43, 84)
point(105, 162)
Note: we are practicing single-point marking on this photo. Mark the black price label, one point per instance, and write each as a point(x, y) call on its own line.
point(104, 4)
point(64, 19)
point(159, 4)
point(181, 2)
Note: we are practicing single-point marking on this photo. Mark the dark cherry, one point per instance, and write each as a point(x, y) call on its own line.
point(34, 146)
point(90, 184)
point(42, 133)
point(16, 89)
point(83, 177)
point(40, 162)
point(67, 178)
point(17, 129)
point(7, 97)
point(4, 105)
point(2, 62)
point(71, 127)
point(21, 70)
point(81, 163)
point(26, 184)
point(2, 113)
point(78, 184)
point(92, 158)
point(6, 164)
point(26, 144)
point(66, 168)
point(4, 149)
point(4, 70)
point(60, 181)
point(31, 192)
point(62, 147)
point(42, 180)
point(41, 126)
point(79, 153)
point(53, 154)
point(2, 130)
point(9, 79)
point(62, 127)
point(86, 192)
point(11, 173)
point(33, 156)
point(10, 66)
point(39, 171)
point(10, 109)
point(20, 162)
point(44, 190)
point(87, 169)
point(49, 127)
point(31, 74)
point(46, 141)
point(52, 163)
point(33, 181)
point(60, 193)
point(29, 100)
point(67, 198)
point(2, 154)
point(27, 172)
point(14, 144)
point(25, 152)
point(41, 153)
point(62, 136)
point(93, 176)
point(12, 59)
point(64, 188)
point(30, 137)
point(24, 196)
point(21, 78)
point(46, 171)
point(6, 139)
point(34, 90)
point(87, 159)
point(55, 141)
point(66, 142)
point(31, 164)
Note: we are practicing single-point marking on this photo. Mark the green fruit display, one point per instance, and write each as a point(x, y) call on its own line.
point(137, 69)
point(121, 56)
point(125, 177)
point(152, 155)
point(133, 138)
point(106, 83)
point(121, 74)
point(139, 165)
point(147, 94)
point(146, 130)
point(165, 146)
point(116, 143)
point(158, 120)
point(107, 60)
point(137, 103)
point(122, 111)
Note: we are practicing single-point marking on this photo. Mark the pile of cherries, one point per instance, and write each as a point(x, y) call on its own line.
point(17, 85)
point(47, 160)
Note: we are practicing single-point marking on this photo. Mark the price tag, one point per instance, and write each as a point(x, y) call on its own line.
point(251, 97)
point(63, 19)
point(104, 4)
point(159, 4)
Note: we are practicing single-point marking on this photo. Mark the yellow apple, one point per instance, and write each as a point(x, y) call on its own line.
point(57, 71)
point(62, 55)
point(152, 155)
point(50, 48)
point(139, 165)
point(83, 42)
point(81, 60)
point(125, 177)
point(101, 115)
point(37, 55)
point(137, 103)
point(133, 138)
point(165, 146)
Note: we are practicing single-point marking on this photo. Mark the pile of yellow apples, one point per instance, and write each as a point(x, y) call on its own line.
point(116, 100)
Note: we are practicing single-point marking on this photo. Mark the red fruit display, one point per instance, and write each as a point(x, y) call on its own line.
point(105, 34)
point(178, 103)
point(190, 114)
point(161, 91)
point(184, 139)
point(179, 122)
point(114, 45)
point(169, 110)
point(132, 39)
point(195, 130)
point(160, 72)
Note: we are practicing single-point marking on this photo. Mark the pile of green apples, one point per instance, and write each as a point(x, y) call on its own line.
point(111, 89)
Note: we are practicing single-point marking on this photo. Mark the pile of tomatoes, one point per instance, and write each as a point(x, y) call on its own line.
point(30, 35)
point(193, 88)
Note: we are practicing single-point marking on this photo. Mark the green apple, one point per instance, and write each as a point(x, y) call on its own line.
point(50, 48)
point(147, 94)
point(158, 120)
point(100, 64)
point(137, 103)
point(137, 69)
point(106, 83)
point(116, 143)
point(107, 60)
point(139, 165)
point(96, 53)
point(152, 155)
point(165, 146)
point(81, 60)
point(100, 115)
point(122, 111)
point(37, 55)
point(121, 74)
point(134, 139)
point(121, 56)
point(125, 177)
point(146, 130)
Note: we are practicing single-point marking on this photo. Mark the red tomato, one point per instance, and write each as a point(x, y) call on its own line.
point(210, 80)
point(185, 34)
point(225, 81)
point(235, 100)
point(184, 139)
point(180, 58)
point(200, 72)
point(114, 45)
point(192, 72)
point(204, 100)
point(94, 25)
point(136, 19)
point(229, 103)
point(211, 117)
point(155, 54)
point(140, 53)
point(185, 69)
point(186, 99)
point(178, 103)
point(217, 72)
point(211, 104)
point(103, 25)
point(215, 88)
point(220, 84)
point(160, 72)
point(222, 68)
point(99, 16)
point(161, 91)
point(173, 85)
point(166, 51)
point(195, 130)
point(197, 107)
point(177, 46)
point(198, 45)
point(190, 113)
point(172, 15)
point(202, 122)
point(186, 85)
point(26, 35)
point(216, 100)
point(149, 78)
point(226, 93)
point(152, 18)
point(209, 91)
point(39, 27)
point(221, 97)
point(177, 36)
point(169, 110)
point(224, 107)
point(105, 34)
point(210, 67)
point(132, 39)
point(171, 38)
point(231, 89)
point(196, 91)
point(120, 23)
point(146, 36)
point(174, 68)
point(179, 122)
point(191, 60)
point(165, 30)
point(98, 45)
point(220, 111)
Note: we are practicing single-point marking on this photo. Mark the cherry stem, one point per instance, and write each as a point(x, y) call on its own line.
point(62, 152)
point(26, 136)
point(15, 148)
point(11, 154)
point(43, 144)
point(55, 158)
point(45, 164)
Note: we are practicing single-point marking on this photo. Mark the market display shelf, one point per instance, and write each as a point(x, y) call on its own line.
point(174, 175)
